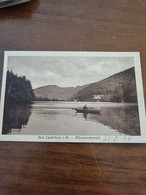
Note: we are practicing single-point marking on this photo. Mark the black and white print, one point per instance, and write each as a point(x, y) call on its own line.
point(77, 95)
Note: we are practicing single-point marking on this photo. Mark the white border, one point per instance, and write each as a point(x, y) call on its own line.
point(76, 138)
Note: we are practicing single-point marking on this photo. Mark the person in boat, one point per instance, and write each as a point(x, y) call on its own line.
point(85, 107)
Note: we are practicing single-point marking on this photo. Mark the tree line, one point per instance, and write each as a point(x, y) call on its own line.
point(18, 89)
point(120, 87)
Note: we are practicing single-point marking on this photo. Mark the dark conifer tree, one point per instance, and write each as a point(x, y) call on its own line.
point(18, 89)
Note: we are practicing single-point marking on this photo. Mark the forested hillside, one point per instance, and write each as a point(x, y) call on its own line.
point(53, 92)
point(120, 87)
point(18, 89)
point(117, 88)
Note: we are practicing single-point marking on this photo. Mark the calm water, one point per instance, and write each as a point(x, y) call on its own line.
point(58, 118)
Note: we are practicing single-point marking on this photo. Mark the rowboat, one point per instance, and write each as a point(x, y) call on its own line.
point(86, 111)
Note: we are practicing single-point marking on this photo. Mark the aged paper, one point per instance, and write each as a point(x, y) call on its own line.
point(72, 97)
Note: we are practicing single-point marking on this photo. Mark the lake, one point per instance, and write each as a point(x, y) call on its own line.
point(58, 118)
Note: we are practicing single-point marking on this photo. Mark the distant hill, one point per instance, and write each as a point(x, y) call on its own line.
point(117, 88)
point(120, 87)
point(55, 92)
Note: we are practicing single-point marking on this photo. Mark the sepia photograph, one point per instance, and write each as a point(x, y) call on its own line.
point(81, 94)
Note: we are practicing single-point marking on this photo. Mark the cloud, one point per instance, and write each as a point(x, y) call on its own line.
point(67, 71)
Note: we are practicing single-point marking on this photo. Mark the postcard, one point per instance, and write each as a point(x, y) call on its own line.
point(90, 97)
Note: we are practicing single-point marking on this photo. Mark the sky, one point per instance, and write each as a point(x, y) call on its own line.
point(67, 71)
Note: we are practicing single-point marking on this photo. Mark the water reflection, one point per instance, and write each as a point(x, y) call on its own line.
point(124, 119)
point(15, 117)
point(49, 118)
